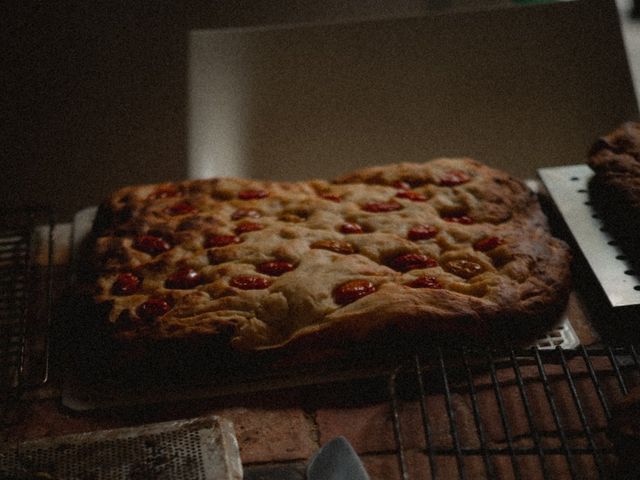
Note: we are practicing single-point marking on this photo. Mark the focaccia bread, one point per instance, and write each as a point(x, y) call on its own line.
point(446, 246)
point(615, 187)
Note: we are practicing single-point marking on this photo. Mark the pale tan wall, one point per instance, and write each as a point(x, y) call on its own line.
point(95, 96)
point(517, 88)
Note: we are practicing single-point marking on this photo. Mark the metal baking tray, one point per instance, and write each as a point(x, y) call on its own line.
point(568, 188)
point(78, 395)
point(201, 448)
point(563, 335)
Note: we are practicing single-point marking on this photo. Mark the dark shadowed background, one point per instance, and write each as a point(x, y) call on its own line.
point(96, 96)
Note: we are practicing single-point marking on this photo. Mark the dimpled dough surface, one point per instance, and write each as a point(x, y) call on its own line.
point(442, 246)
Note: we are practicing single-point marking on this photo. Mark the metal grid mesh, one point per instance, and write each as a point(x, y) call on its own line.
point(26, 244)
point(173, 454)
point(526, 414)
point(201, 448)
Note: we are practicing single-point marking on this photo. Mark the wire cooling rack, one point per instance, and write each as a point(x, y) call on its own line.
point(26, 245)
point(527, 414)
point(542, 412)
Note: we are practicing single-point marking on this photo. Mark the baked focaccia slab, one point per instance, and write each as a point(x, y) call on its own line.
point(615, 187)
point(449, 246)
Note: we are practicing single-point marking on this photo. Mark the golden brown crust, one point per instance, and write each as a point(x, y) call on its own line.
point(446, 246)
point(618, 152)
point(615, 187)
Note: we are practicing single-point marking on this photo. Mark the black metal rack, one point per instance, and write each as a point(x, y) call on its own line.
point(508, 414)
point(26, 249)
point(529, 414)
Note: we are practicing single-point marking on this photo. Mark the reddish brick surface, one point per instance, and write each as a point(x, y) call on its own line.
point(542, 419)
point(387, 467)
point(288, 426)
point(530, 467)
point(370, 428)
point(266, 435)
